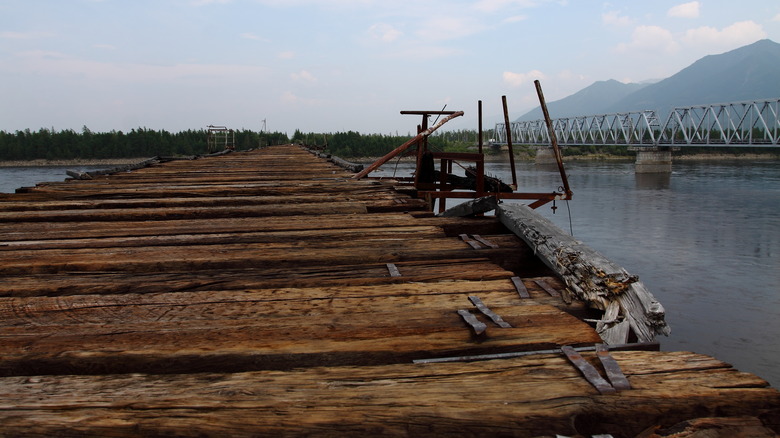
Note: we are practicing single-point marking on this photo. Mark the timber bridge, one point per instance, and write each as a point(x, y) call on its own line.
point(738, 124)
point(270, 292)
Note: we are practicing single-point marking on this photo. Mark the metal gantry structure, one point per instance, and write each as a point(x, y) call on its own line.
point(220, 138)
point(749, 124)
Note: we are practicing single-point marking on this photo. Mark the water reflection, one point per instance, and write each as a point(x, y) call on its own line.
point(653, 181)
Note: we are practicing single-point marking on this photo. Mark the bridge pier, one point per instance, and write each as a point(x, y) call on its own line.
point(653, 159)
point(545, 155)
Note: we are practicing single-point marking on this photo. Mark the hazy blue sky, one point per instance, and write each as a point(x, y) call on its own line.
point(336, 65)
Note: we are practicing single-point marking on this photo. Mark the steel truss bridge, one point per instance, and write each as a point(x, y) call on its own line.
point(738, 124)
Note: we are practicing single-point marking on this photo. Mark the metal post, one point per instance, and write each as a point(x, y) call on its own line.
point(553, 140)
point(509, 143)
point(479, 118)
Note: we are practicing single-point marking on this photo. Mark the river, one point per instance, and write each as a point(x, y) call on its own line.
point(705, 240)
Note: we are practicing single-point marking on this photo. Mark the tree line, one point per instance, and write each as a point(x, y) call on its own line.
point(50, 144)
point(141, 142)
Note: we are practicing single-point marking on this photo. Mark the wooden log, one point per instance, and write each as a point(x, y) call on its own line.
point(588, 274)
point(352, 167)
point(473, 207)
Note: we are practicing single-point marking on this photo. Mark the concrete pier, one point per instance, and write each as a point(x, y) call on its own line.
point(653, 160)
point(545, 155)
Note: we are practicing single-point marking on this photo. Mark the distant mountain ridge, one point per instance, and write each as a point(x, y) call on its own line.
point(747, 73)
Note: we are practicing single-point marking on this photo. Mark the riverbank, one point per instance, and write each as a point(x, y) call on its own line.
point(491, 158)
point(497, 158)
point(108, 162)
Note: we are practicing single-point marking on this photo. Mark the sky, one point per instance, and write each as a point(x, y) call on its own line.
point(339, 65)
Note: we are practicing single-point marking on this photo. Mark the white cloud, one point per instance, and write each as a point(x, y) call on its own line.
point(515, 19)
point(650, 39)
point(613, 18)
point(251, 36)
point(441, 28)
point(738, 34)
point(685, 10)
point(495, 5)
point(303, 76)
point(209, 2)
point(517, 79)
point(776, 18)
point(55, 63)
point(290, 98)
point(384, 33)
point(286, 55)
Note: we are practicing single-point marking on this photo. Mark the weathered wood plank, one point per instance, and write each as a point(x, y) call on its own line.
point(73, 283)
point(257, 255)
point(274, 336)
point(537, 396)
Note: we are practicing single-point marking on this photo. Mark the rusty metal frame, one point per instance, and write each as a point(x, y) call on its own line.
point(220, 136)
point(442, 189)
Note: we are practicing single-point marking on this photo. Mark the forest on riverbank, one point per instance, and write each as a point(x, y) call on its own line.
point(48, 144)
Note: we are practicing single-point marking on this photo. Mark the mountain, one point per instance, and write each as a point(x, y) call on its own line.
point(594, 99)
point(747, 73)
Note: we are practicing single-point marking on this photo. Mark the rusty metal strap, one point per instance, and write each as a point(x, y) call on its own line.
point(393, 269)
point(591, 374)
point(484, 241)
point(521, 289)
point(614, 373)
point(489, 313)
point(547, 288)
point(473, 243)
point(476, 325)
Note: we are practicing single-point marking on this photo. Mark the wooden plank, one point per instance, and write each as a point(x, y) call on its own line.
point(238, 255)
point(270, 335)
point(537, 395)
point(74, 283)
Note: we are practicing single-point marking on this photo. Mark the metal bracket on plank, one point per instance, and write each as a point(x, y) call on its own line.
point(547, 288)
point(589, 371)
point(475, 240)
point(473, 243)
point(489, 313)
point(476, 325)
point(614, 373)
point(484, 241)
point(638, 346)
point(393, 269)
point(520, 287)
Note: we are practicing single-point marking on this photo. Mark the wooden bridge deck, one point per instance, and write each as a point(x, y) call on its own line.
point(250, 293)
